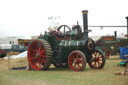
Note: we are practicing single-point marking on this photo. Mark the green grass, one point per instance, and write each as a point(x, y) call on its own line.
point(65, 76)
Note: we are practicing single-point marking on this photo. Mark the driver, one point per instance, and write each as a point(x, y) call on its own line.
point(51, 29)
point(54, 32)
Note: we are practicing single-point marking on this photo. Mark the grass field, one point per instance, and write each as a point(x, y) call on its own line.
point(62, 76)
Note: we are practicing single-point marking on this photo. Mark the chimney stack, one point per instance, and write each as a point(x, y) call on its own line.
point(85, 23)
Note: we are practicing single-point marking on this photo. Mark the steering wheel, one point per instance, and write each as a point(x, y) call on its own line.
point(65, 26)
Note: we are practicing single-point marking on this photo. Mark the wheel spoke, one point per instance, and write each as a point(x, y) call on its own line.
point(95, 64)
point(33, 50)
point(43, 51)
point(100, 59)
point(37, 45)
point(43, 60)
point(71, 62)
point(95, 53)
point(33, 54)
point(75, 66)
point(35, 64)
point(81, 60)
point(77, 56)
point(79, 67)
point(99, 63)
point(40, 65)
point(73, 58)
point(99, 55)
point(44, 56)
point(38, 61)
point(33, 58)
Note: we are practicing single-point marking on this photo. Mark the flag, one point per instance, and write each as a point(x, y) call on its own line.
point(50, 18)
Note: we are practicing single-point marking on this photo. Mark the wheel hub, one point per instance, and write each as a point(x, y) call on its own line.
point(97, 59)
point(37, 54)
point(75, 61)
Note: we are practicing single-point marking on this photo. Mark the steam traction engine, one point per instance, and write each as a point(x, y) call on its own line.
point(71, 49)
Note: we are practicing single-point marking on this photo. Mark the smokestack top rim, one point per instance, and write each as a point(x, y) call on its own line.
point(127, 17)
point(85, 11)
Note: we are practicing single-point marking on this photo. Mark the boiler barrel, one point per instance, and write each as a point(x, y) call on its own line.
point(84, 45)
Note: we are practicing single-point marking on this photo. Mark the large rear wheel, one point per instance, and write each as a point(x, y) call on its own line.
point(77, 61)
point(39, 55)
point(97, 60)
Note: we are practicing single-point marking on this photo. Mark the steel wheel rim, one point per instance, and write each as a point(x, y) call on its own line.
point(76, 61)
point(36, 55)
point(96, 60)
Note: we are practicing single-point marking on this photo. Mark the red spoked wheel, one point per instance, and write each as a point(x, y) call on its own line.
point(39, 54)
point(97, 60)
point(77, 61)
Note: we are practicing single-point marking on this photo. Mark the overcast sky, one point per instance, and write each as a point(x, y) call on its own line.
point(30, 17)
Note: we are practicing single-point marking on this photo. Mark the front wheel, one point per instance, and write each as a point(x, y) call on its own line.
point(97, 60)
point(77, 61)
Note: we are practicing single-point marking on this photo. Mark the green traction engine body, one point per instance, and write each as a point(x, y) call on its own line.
point(70, 48)
point(64, 47)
